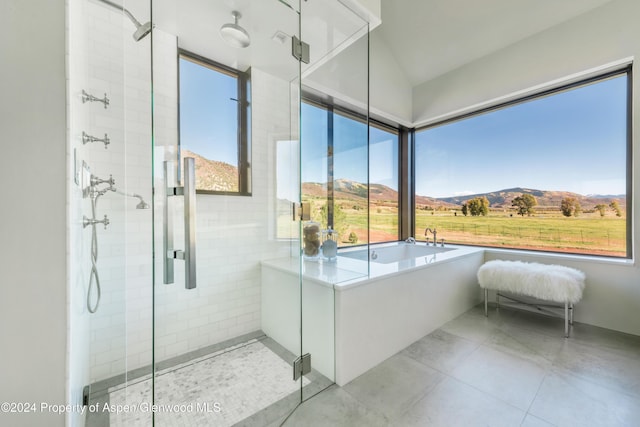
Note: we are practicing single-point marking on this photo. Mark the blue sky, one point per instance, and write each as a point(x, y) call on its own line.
point(350, 150)
point(573, 141)
point(208, 115)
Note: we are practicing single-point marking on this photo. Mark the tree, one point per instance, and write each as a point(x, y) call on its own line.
point(601, 208)
point(524, 204)
point(616, 207)
point(570, 206)
point(339, 218)
point(478, 206)
point(578, 209)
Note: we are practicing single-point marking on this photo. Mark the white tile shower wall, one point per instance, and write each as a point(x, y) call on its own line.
point(234, 233)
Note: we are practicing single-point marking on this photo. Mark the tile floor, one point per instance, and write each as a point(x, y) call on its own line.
point(513, 368)
point(241, 380)
point(248, 377)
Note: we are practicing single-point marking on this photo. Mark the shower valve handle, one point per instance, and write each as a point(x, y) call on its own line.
point(86, 221)
point(96, 181)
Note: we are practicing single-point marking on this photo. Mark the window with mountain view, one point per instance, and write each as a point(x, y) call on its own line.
point(384, 148)
point(213, 124)
point(549, 173)
point(335, 174)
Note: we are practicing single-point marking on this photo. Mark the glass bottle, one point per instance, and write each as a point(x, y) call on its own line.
point(311, 241)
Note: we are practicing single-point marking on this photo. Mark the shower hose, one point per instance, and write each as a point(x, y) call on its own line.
point(94, 278)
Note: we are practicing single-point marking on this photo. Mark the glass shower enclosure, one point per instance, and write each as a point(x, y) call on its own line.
point(194, 169)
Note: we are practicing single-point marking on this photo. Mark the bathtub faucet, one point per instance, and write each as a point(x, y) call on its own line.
point(435, 235)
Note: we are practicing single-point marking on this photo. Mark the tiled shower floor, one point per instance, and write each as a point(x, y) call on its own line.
point(249, 383)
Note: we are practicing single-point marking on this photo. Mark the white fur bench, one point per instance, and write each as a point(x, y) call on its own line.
point(554, 283)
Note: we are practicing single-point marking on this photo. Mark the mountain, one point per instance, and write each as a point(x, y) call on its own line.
point(545, 198)
point(213, 175)
point(345, 189)
point(219, 176)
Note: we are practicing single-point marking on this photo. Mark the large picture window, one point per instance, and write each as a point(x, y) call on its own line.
point(214, 129)
point(548, 173)
point(355, 196)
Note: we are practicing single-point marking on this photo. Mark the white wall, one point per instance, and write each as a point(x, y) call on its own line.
point(598, 37)
point(345, 78)
point(390, 90)
point(79, 323)
point(604, 35)
point(33, 226)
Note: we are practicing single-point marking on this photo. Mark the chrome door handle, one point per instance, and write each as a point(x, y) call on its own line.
point(189, 176)
point(189, 252)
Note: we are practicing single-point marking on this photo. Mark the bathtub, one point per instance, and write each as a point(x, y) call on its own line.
point(400, 252)
point(388, 259)
point(357, 313)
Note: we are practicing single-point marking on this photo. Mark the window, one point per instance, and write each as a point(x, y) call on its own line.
point(214, 127)
point(547, 173)
point(383, 179)
point(336, 144)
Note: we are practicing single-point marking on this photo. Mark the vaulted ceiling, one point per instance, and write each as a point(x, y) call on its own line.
point(431, 37)
point(427, 38)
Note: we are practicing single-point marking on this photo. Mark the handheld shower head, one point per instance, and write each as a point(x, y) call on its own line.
point(141, 205)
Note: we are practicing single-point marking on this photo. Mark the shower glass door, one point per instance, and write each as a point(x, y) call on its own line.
point(225, 112)
point(192, 302)
point(334, 175)
point(110, 195)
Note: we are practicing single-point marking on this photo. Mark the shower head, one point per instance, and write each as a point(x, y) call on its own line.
point(234, 34)
point(141, 29)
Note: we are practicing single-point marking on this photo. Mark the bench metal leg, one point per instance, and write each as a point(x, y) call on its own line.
point(571, 314)
point(486, 297)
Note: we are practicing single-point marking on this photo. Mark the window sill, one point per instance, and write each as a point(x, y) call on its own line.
point(625, 262)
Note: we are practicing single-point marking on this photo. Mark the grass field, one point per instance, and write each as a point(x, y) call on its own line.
point(587, 234)
point(547, 231)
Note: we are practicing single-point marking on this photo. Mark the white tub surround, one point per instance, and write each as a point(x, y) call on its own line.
point(281, 317)
point(395, 309)
point(376, 314)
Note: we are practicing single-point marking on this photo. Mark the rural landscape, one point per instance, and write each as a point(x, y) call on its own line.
point(556, 220)
point(531, 219)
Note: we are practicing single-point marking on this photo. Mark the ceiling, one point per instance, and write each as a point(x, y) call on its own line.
point(325, 26)
point(428, 38)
